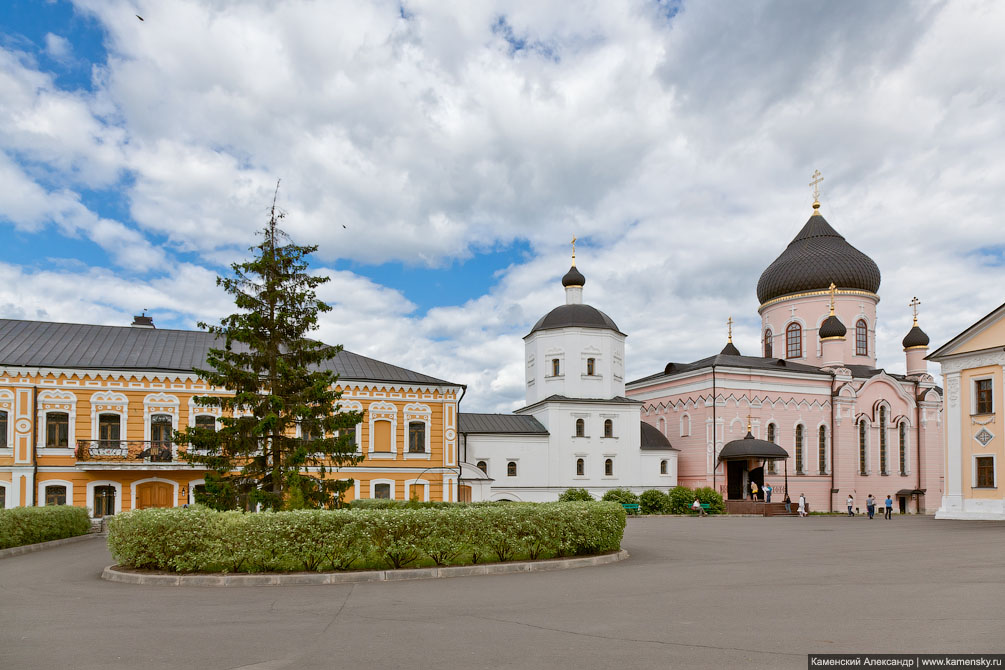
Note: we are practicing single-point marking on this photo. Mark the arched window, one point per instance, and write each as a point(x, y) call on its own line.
point(580, 467)
point(861, 447)
point(580, 428)
point(555, 367)
point(822, 456)
point(55, 495)
point(206, 422)
point(109, 427)
point(591, 366)
point(57, 429)
point(417, 437)
point(608, 428)
point(483, 466)
point(772, 467)
point(609, 467)
point(768, 349)
point(104, 501)
point(511, 469)
point(799, 449)
point(861, 338)
point(903, 448)
point(685, 425)
point(663, 425)
point(882, 441)
point(793, 341)
point(663, 468)
point(3, 432)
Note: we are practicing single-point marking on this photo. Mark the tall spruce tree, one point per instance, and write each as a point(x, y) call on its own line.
point(284, 415)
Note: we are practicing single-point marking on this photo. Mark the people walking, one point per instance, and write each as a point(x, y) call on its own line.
point(802, 504)
point(889, 507)
point(788, 504)
point(851, 501)
point(753, 491)
point(870, 506)
point(767, 493)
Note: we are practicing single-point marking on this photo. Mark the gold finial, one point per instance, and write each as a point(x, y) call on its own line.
point(729, 323)
point(748, 424)
point(914, 303)
point(833, 289)
point(573, 251)
point(816, 190)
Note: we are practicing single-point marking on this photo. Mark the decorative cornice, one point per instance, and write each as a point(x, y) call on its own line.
point(820, 293)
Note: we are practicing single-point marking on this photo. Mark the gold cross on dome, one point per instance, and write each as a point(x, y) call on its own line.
point(729, 324)
point(914, 303)
point(832, 288)
point(748, 423)
point(574, 251)
point(816, 184)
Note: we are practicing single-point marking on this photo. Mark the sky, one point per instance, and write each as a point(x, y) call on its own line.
point(443, 154)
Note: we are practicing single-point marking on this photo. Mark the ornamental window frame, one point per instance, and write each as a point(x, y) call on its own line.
point(483, 465)
point(155, 404)
point(769, 345)
point(418, 413)
point(771, 435)
point(511, 468)
point(6, 495)
point(609, 428)
point(353, 406)
point(390, 484)
point(977, 407)
point(580, 427)
point(861, 338)
point(382, 411)
point(799, 442)
point(54, 401)
point(411, 484)
point(609, 467)
point(89, 501)
point(46, 483)
point(862, 437)
point(883, 413)
point(793, 340)
point(664, 468)
point(823, 450)
point(904, 447)
point(106, 403)
point(7, 432)
point(580, 468)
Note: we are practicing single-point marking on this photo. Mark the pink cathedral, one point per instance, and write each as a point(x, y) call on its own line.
point(849, 428)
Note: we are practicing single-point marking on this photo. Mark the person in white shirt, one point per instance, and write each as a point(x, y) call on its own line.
point(851, 501)
point(696, 506)
point(802, 504)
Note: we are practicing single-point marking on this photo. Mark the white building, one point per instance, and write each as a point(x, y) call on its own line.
point(578, 429)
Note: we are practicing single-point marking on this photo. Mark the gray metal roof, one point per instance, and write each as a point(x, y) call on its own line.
point(470, 423)
point(653, 439)
point(83, 346)
point(751, 447)
point(574, 316)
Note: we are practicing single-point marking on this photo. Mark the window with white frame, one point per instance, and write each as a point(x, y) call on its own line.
point(109, 428)
point(863, 448)
point(580, 467)
point(416, 437)
point(983, 396)
point(799, 449)
point(664, 467)
point(57, 429)
point(608, 428)
point(511, 469)
point(382, 491)
point(822, 450)
point(609, 467)
point(205, 422)
point(591, 366)
point(772, 467)
point(580, 428)
point(483, 466)
point(3, 431)
point(984, 472)
point(793, 341)
point(882, 441)
point(55, 494)
point(902, 430)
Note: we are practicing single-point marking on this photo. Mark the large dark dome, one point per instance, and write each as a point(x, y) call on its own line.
point(575, 315)
point(817, 256)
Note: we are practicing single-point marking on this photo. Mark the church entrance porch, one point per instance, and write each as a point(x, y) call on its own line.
point(745, 461)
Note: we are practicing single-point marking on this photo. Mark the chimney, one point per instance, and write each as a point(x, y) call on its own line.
point(143, 321)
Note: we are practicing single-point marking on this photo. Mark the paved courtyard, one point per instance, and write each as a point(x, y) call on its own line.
point(696, 593)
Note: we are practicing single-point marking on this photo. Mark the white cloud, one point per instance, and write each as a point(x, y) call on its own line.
point(58, 48)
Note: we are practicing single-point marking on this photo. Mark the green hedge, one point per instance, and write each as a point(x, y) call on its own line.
point(575, 495)
point(203, 540)
point(29, 525)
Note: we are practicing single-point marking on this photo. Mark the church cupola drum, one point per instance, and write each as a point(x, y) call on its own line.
point(575, 350)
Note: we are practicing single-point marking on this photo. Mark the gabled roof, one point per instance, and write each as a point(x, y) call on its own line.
point(982, 323)
point(83, 346)
point(512, 424)
point(726, 360)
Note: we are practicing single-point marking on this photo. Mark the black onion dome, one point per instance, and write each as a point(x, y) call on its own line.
point(575, 316)
point(652, 438)
point(729, 350)
point(573, 278)
point(916, 337)
point(832, 327)
point(817, 256)
point(751, 447)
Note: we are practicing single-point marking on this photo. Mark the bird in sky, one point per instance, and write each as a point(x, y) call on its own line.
point(139, 17)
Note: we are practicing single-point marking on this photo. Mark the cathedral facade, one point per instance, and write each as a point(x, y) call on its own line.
point(850, 428)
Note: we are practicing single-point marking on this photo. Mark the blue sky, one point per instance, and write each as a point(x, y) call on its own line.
point(462, 146)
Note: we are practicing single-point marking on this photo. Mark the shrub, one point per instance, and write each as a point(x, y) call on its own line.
point(623, 496)
point(707, 494)
point(654, 502)
point(30, 525)
point(575, 495)
point(681, 498)
point(203, 540)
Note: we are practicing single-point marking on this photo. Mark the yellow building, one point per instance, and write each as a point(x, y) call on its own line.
point(87, 415)
point(972, 365)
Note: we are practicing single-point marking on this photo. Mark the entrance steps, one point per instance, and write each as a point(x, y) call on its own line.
point(758, 508)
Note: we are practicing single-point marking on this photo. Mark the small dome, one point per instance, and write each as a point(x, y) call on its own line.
point(832, 327)
point(751, 447)
point(916, 337)
point(575, 316)
point(817, 256)
point(729, 350)
point(573, 278)
point(652, 438)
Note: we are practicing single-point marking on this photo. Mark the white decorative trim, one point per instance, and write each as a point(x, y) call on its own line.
point(104, 482)
point(419, 413)
point(43, 485)
point(109, 402)
point(195, 409)
point(191, 485)
point(7, 403)
point(353, 406)
point(56, 400)
point(383, 411)
point(8, 488)
point(134, 485)
point(973, 471)
point(374, 482)
point(159, 403)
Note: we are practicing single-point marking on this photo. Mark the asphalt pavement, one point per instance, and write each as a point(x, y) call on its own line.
point(696, 593)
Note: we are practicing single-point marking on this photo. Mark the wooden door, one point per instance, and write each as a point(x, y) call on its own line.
point(154, 494)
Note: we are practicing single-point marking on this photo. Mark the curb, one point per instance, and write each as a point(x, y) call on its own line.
point(40, 546)
point(320, 578)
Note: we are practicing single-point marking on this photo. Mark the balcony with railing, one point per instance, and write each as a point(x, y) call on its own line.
point(127, 452)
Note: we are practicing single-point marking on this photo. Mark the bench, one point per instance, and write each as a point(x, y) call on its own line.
point(706, 507)
point(631, 508)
